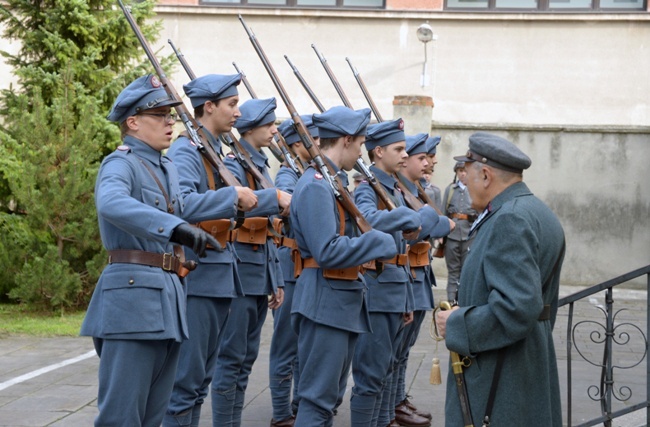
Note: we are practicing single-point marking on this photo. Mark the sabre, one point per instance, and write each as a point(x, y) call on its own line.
point(457, 365)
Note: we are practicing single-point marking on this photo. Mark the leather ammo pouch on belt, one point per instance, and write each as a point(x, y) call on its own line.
point(253, 231)
point(419, 254)
point(218, 228)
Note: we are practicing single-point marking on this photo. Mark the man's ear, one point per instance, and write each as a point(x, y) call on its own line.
point(208, 107)
point(379, 152)
point(487, 176)
point(132, 123)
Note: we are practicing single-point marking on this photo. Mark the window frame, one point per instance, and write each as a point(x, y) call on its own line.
point(291, 4)
point(543, 6)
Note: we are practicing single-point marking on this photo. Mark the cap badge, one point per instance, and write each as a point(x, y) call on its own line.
point(155, 82)
point(318, 176)
point(401, 125)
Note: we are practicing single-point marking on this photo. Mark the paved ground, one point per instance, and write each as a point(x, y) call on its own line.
point(53, 381)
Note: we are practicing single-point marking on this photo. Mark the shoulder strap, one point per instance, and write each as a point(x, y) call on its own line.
point(212, 185)
point(451, 193)
point(170, 207)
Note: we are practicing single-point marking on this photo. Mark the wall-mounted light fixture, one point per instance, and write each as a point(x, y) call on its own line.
point(425, 35)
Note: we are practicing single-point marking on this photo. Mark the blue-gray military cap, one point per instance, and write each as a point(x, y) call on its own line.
point(144, 93)
point(255, 113)
point(289, 132)
point(211, 87)
point(342, 121)
point(416, 144)
point(432, 145)
point(385, 133)
point(459, 165)
point(495, 151)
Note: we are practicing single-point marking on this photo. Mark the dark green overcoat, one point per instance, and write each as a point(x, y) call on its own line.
point(505, 282)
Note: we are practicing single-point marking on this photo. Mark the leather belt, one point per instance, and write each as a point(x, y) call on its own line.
point(463, 216)
point(546, 313)
point(166, 261)
point(288, 242)
point(350, 273)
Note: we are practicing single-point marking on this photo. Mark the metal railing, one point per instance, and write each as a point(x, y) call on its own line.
point(609, 334)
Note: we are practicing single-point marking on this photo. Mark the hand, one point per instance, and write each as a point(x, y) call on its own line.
point(452, 225)
point(408, 318)
point(276, 299)
point(412, 234)
point(441, 320)
point(284, 201)
point(246, 199)
point(194, 238)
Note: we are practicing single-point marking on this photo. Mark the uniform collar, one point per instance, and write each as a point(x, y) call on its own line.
point(408, 184)
point(385, 179)
point(515, 190)
point(257, 156)
point(142, 149)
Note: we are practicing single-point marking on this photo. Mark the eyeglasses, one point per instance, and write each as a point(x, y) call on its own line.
point(165, 116)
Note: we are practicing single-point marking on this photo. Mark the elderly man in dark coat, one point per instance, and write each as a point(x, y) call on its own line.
point(508, 296)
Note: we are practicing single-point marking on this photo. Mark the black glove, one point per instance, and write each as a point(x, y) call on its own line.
point(194, 238)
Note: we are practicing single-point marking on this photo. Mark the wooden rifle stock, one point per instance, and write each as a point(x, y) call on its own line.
point(279, 147)
point(242, 156)
point(340, 192)
point(195, 132)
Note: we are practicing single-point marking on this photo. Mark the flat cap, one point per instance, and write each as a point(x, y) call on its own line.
point(432, 144)
point(255, 113)
point(144, 93)
point(289, 132)
point(416, 144)
point(358, 177)
point(495, 151)
point(384, 133)
point(211, 87)
point(342, 121)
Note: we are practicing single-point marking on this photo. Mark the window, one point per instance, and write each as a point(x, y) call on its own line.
point(366, 4)
point(547, 5)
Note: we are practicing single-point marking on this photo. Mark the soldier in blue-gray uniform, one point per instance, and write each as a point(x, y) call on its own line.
point(423, 279)
point(458, 206)
point(137, 313)
point(390, 295)
point(432, 190)
point(283, 360)
point(329, 306)
point(211, 206)
point(508, 298)
point(259, 270)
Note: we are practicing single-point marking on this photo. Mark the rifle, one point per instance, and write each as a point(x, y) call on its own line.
point(304, 84)
point(195, 132)
point(340, 192)
point(360, 166)
point(364, 89)
point(279, 147)
point(330, 74)
point(240, 153)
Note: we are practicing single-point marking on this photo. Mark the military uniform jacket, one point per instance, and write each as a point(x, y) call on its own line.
point(259, 266)
point(216, 274)
point(433, 192)
point(134, 301)
point(286, 180)
point(391, 290)
point(500, 296)
point(462, 204)
point(315, 222)
point(432, 227)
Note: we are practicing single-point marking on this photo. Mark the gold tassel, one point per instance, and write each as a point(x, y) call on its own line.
point(435, 377)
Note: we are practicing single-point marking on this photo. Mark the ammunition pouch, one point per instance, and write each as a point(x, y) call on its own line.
point(398, 260)
point(253, 231)
point(419, 254)
point(219, 229)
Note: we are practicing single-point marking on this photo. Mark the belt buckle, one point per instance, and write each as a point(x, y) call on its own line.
point(167, 261)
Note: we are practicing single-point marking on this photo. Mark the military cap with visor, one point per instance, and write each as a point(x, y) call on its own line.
point(495, 151)
point(144, 93)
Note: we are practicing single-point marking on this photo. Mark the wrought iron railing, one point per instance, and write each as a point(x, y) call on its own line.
point(609, 335)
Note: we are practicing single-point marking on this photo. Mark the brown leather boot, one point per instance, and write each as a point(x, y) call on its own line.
point(412, 407)
point(407, 418)
point(289, 422)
